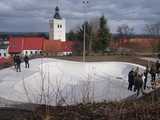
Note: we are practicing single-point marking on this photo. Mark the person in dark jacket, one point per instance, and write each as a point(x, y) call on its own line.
point(14, 60)
point(146, 76)
point(26, 60)
point(153, 75)
point(130, 80)
point(157, 68)
point(135, 74)
point(138, 84)
point(18, 62)
point(153, 72)
point(135, 81)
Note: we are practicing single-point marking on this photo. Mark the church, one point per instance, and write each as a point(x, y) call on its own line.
point(57, 27)
point(56, 44)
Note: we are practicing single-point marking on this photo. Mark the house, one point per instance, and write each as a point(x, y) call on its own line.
point(35, 45)
point(32, 46)
point(137, 43)
point(4, 45)
point(26, 45)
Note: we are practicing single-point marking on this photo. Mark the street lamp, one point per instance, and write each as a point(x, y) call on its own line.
point(85, 3)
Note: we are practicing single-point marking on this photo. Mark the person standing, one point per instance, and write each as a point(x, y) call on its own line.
point(137, 71)
point(135, 81)
point(26, 60)
point(139, 84)
point(135, 75)
point(130, 80)
point(18, 62)
point(157, 68)
point(146, 76)
point(153, 73)
point(14, 60)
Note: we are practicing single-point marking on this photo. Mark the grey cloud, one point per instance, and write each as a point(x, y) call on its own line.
point(33, 15)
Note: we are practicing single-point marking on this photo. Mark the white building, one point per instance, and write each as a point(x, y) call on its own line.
point(31, 52)
point(57, 27)
point(4, 52)
point(4, 45)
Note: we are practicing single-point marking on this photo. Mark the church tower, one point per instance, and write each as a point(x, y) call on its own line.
point(57, 27)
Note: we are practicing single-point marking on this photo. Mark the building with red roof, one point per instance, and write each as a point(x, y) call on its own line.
point(36, 45)
point(58, 47)
point(32, 45)
point(25, 45)
point(4, 45)
point(138, 44)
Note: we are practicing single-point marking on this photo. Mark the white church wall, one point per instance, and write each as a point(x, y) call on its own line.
point(51, 30)
point(31, 52)
point(57, 29)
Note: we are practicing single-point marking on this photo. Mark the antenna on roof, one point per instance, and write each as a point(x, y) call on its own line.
point(58, 3)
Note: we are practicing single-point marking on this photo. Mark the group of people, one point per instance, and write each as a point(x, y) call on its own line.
point(138, 81)
point(18, 60)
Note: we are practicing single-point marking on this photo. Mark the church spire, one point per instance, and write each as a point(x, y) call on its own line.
point(57, 15)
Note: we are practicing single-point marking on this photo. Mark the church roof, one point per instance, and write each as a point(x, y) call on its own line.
point(18, 44)
point(57, 15)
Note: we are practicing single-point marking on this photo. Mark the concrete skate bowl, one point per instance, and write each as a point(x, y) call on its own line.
point(52, 82)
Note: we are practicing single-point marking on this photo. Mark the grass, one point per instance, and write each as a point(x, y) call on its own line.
point(116, 58)
point(144, 108)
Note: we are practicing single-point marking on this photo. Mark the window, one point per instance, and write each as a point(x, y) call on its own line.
point(5, 55)
point(41, 53)
point(0, 54)
point(31, 52)
point(59, 26)
point(26, 52)
point(35, 52)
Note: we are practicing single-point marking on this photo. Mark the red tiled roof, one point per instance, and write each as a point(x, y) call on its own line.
point(33, 43)
point(136, 43)
point(17, 44)
point(67, 46)
point(52, 46)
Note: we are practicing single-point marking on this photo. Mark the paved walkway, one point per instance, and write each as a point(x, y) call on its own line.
point(150, 59)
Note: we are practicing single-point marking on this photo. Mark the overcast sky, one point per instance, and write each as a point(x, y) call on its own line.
point(33, 15)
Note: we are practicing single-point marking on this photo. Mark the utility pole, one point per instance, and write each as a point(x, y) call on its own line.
point(85, 3)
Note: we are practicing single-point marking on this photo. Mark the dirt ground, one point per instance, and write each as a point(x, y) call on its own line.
point(116, 58)
point(130, 59)
point(15, 114)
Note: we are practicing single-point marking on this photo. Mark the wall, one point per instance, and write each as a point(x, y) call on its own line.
point(31, 52)
point(139, 44)
point(4, 51)
point(57, 29)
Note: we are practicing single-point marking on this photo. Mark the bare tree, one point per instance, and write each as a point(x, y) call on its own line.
point(125, 31)
point(153, 30)
point(94, 24)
